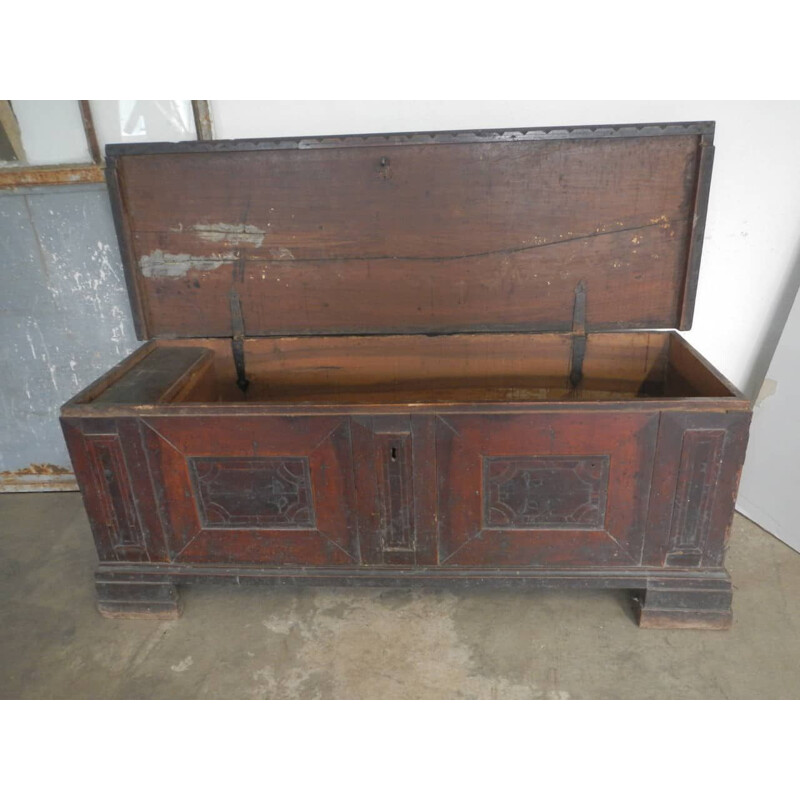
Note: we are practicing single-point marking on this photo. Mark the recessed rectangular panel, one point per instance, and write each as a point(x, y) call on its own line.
point(698, 475)
point(545, 492)
point(252, 493)
point(395, 472)
point(255, 489)
point(396, 492)
point(112, 480)
point(541, 489)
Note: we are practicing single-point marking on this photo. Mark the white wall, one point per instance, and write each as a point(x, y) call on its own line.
point(751, 260)
point(771, 474)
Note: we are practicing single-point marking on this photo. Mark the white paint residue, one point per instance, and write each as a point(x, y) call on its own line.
point(278, 625)
point(182, 666)
point(159, 264)
point(118, 331)
point(30, 342)
point(230, 234)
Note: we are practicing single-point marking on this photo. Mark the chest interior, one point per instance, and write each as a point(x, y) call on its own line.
point(415, 370)
point(466, 267)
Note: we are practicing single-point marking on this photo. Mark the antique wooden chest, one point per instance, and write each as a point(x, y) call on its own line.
point(414, 359)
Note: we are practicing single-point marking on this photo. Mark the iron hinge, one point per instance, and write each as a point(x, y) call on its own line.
point(237, 339)
point(578, 336)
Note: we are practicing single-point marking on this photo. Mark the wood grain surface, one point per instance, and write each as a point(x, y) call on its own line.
point(461, 237)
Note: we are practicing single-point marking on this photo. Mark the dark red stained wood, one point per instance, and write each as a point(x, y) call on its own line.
point(394, 460)
point(262, 504)
point(108, 457)
point(487, 235)
point(479, 458)
point(698, 463)
point(574, 490)
point(95, 496)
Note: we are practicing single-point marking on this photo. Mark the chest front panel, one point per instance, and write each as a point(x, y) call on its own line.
point(530, 490)
point(247, 490)
point(404, 490)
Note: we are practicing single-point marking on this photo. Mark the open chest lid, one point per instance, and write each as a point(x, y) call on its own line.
point(533, 230)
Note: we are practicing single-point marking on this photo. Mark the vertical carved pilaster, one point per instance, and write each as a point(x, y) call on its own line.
point(396, 491)
point(395, 469)
point(698, 477)
point(115, 493)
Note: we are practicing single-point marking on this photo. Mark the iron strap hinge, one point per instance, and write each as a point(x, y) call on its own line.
point(578, 336)
point(237, 340)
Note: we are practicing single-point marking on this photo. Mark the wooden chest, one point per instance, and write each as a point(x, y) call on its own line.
point(414, 359)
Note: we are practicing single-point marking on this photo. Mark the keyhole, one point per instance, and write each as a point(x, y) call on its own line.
point(394, 454)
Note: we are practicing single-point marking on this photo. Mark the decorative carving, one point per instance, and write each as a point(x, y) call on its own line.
point(441, 137)
point(546, 492)
point(249, 493)
point(396, 493)
point(698, 475)
point(113, 481)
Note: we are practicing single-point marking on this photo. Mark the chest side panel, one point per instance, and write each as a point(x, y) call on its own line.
point(698, 463)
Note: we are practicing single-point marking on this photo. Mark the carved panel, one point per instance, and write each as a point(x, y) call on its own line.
point(249, 493)
point(396, 492)
point(698, 475)
point(115, 493)
point(545, 492)
point(394, 463)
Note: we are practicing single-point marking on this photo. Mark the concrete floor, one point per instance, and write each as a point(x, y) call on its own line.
point(257, 642)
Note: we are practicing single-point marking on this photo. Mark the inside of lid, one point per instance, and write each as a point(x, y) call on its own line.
point(388, 237)
point(417, 369)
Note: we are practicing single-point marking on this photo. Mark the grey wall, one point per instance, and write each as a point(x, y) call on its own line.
point(64, 320)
